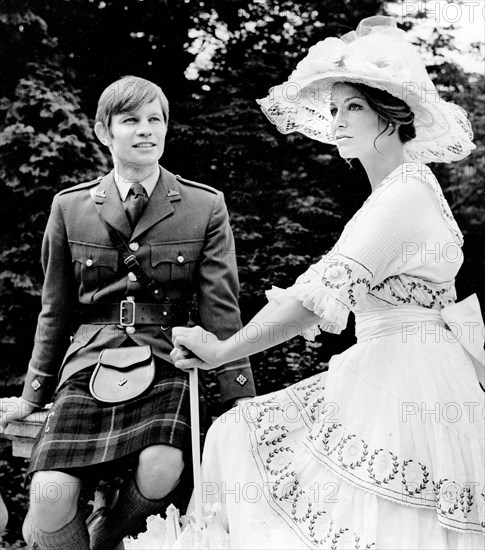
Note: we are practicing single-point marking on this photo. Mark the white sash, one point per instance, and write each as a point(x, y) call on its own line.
point(463, 319)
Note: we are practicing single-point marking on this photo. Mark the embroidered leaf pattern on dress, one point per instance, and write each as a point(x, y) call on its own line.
point(380, 470)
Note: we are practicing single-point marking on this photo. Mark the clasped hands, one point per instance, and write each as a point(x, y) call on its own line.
point(195, 348)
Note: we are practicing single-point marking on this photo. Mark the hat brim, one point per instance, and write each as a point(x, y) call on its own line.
point(304, 106)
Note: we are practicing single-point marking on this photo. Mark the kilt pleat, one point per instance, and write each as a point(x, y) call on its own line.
point(79, 432)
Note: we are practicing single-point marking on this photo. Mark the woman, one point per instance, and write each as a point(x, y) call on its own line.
point(384, 453)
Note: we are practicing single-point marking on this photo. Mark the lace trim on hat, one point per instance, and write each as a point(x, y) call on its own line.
point(377, 55)
point(448, 139)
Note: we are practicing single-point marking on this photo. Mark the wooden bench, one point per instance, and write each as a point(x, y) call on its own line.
point(22, 433)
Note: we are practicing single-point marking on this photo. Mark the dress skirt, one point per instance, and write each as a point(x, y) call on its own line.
point(79, 432)
point(385, 451)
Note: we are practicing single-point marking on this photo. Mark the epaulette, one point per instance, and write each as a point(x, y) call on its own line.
point(197, 184)
point(79, 186)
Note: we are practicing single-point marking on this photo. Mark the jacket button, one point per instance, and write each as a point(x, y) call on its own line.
point(89, 262)
point(134, 246)
point(180, 259)
point(131, 276)
point(241, 379)
point(130, 330)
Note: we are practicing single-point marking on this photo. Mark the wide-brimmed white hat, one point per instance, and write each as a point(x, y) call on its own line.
point(379, 55)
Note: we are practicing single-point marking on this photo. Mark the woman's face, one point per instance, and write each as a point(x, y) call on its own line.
point(355, 125)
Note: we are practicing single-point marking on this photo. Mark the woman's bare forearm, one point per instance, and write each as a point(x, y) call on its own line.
point(271, 326)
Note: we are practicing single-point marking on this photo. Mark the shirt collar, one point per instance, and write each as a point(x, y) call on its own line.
point(124, 184)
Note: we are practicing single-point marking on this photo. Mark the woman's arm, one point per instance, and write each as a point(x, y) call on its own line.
point(274, 324)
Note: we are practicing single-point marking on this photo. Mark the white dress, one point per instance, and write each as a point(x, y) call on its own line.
point(386, 450)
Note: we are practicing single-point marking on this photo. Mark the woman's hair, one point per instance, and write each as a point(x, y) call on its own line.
point(389, 109)
point(128, 94)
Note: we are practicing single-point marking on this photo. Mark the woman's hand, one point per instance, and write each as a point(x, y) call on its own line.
point(195, 348)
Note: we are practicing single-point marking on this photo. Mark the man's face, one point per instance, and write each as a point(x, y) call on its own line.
point(137, 138)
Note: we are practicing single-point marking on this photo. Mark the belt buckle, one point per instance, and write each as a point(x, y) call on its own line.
point(127, 309)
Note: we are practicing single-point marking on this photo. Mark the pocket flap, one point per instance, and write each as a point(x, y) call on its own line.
point(124, 358)
point(93, 256)
point(177, 253)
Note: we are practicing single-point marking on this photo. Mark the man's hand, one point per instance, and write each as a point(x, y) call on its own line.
point(13, 408)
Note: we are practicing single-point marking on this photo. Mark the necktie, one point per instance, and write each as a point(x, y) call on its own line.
point(135, 203)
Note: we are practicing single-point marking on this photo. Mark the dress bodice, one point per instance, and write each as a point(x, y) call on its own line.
point(402, 247)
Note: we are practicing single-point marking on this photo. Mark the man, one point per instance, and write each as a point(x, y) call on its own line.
point(178, 232)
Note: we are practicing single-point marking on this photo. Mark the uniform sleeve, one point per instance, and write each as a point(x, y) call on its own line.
point(370, 250)
point(54, 322)
point(218, 300)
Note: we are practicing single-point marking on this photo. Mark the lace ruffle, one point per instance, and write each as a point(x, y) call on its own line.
point(334, 313)
point(382, 59)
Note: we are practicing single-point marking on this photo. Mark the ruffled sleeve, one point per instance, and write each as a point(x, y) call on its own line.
point(329, 288)
point(371, 249)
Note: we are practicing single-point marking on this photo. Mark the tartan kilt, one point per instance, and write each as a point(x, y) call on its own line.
point(80, 434)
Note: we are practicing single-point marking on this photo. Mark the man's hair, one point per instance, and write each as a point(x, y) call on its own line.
point(128, 94)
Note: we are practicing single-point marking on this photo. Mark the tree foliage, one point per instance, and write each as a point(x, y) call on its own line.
point(289, 197)
point(60, 55)
point(45, 145)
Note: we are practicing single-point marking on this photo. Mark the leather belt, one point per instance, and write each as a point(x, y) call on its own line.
point(128, 313)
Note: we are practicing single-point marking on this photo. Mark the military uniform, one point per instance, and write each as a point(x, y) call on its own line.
point(183, 240)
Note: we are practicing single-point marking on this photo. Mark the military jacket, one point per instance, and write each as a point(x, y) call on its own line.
point(183, 241)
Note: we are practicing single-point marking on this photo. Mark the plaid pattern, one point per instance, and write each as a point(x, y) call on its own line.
point(80, 433)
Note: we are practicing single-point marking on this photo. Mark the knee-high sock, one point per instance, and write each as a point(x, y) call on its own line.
point(128, 517)
point(73, 536)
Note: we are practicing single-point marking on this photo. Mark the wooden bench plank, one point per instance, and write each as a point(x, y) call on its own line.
point(22, 433)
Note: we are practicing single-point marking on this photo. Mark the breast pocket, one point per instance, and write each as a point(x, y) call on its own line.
point(94, 265)
point(175, 261)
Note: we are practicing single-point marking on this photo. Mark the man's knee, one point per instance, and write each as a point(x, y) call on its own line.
point(53, 499)
point(159, 470)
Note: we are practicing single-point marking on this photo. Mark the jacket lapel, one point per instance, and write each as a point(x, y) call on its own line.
point(160, 204)
point(111, 207)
